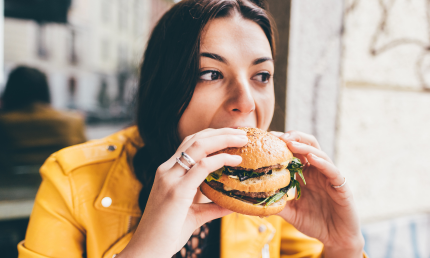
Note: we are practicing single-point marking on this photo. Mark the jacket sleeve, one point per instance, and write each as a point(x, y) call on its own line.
point(294, 244)
point(53, 230)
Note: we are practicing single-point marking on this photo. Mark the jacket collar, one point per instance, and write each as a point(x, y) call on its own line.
point(121, 184)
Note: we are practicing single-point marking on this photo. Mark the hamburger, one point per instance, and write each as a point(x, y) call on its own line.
point(262, 183)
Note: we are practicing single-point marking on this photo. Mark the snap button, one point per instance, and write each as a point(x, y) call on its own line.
point(111, 148)
point(106, 202)
point(262, 228)
point(113, 256)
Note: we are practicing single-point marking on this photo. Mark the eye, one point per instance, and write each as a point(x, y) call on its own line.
point(210, 75)
point(262, 77)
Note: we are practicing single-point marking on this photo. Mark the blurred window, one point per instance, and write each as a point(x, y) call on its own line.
point(105, 50)
point(41, 42)
point(106, 10)
point(122, 56)
point(103, 95)
point(122, 16)
point(136, 17)
point(72, 92)
point(73, 56)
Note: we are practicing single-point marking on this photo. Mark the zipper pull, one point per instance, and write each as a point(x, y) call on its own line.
point(265, 252)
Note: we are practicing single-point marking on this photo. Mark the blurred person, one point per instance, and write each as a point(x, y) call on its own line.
point(30, 128)
point(207, 69)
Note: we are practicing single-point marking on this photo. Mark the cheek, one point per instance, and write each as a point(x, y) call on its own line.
point(199, 113)
point(265, 106)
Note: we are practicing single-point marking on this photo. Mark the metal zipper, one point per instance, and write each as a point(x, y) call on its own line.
point(129, 224)
point(265, 252)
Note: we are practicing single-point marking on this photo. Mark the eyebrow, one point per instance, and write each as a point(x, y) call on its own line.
point(215, 57)
point(223, 60)
point(261, 60)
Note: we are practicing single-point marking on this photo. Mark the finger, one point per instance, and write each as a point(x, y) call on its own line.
point(208, 133)
point(276, 133)
point(301, 157)
point(189, 137)
point(201, 170)
point(299, 137)
point(326, 168)
point(304, 149)
point(203, 147)
point(205, 212)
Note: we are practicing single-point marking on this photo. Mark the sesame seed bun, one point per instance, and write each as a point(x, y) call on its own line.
point(262, 150)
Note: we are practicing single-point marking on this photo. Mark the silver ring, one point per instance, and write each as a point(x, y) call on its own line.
point(188, 159)
point(182, 164)
point(339, 186)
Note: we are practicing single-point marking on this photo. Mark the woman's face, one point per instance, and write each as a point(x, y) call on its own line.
point(236, 78)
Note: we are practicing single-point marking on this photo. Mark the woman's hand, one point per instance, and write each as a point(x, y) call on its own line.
point(323, 212)
point(170, 216)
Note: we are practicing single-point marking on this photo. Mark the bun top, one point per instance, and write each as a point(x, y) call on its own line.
point(262, 150)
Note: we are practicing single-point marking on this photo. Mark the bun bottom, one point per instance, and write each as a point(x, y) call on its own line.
point(242, 207)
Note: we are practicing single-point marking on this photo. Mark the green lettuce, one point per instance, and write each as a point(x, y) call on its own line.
point(294, 167)
point(276, 197)
point(216, 175)
point(296, 184)
point(241, 174)
point(263, 200)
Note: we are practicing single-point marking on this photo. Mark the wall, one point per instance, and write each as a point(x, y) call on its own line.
point(314, 69)
point(383, 139)
point(375, 121)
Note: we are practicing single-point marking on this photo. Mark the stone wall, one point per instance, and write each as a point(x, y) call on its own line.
point(383, 140)
point(375, 121)
point(314, 61)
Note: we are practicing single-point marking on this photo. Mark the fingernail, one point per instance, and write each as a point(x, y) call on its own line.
point(286, 135)
point(275, 133)
point(315, 156)
point(296, 143)
point(242, 137)
point(238, 158)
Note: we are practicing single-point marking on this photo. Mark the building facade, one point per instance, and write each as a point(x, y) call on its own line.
point(92, 61)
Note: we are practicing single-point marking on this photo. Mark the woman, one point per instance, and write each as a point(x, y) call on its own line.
point(208, 64)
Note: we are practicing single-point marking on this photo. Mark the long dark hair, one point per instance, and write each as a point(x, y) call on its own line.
point(169, 74)
point(24, 87)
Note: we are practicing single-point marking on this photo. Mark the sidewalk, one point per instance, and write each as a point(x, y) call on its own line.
point(404, 237)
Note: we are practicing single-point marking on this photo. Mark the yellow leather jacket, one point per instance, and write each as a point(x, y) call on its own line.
point(87, 206)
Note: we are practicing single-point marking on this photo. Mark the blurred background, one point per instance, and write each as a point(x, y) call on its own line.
point(354, 73)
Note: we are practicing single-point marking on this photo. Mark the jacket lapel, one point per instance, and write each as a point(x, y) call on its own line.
point(124, 200)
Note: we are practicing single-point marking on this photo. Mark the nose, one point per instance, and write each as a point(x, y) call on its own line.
point(240, 101)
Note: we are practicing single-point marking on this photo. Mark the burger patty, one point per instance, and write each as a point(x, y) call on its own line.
point(220, 187)
point(255, 194)
point(264, 170)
